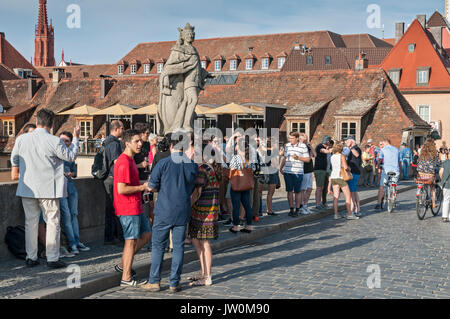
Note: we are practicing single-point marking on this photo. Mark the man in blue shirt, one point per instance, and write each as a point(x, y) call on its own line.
point(391, 163)
point(405, 159)
point(174, 180)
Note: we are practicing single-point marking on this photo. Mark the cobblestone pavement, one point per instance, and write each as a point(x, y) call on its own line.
point(330, 259)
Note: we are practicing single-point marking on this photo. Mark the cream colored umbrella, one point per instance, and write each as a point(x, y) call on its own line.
point(117, 109)
point(151, 109)
point(82, 110)
point(234, 109)
point(201, 109)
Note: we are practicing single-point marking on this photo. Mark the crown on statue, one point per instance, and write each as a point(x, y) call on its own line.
point(188, 27)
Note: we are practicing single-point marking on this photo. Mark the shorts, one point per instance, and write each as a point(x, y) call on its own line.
point(338, 181)
point(293, 182)
point(320, 176)
point(353, 183)
point(134, 226)
point(307, 181)
point(384, 178)
point(274, 179)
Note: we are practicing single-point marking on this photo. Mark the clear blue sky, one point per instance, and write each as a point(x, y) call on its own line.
point(111, 28)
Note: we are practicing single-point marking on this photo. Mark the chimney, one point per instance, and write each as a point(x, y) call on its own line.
point(58, 74)
point(362, 62)
point(399, 31)
point(32, 88)
point(422, 20)
point(2, 36)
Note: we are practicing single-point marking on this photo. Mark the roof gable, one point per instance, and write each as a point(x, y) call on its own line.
point(436, 20)
point(424, 55)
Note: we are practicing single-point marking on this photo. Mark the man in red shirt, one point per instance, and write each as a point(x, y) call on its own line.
point(128, 205)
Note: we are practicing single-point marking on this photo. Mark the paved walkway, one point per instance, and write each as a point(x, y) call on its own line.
point(329, 259)
point(18, 281)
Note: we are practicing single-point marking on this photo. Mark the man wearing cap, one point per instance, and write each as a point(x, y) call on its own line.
point(320, 171)
point(405, 159)
point(354, 161)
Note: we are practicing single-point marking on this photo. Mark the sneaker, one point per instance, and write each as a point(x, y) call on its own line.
point(56, 264)
point(31, 263)
point(308, 210)
point(303, 211)
point(293, 213)
point(229, 222)
point(64, 253)
point(119, 269)
point(74, 250)
point(352, 217)
point(337, 217)
point(358, 214)
point(132, 283)
point(151, 287)
point(82, 247)
point(175, 289)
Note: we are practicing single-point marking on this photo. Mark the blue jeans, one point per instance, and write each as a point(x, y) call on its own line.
point(69, 215)
point(236, 199)
point(160, 238)
point(405, 168)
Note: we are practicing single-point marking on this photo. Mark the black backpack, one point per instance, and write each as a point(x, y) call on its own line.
point(15, 240)
point(100, 168)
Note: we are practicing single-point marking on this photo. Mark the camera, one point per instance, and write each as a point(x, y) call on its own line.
point(148, 197)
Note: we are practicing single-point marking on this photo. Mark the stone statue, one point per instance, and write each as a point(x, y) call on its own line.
point(180, 82)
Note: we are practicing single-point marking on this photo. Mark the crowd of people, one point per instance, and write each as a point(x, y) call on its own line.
point(156, 192)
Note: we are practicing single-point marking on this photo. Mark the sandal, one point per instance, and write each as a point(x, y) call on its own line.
point(195, 277)
point(202, 282)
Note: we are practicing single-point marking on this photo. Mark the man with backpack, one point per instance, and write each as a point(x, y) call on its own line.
point(112, 151)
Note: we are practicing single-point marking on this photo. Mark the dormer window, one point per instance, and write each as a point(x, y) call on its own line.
point(327, 59)
point(394, 74)
point(411, 47)
point(249, 64)
point(217, 65)
point(281, 61)
point(203, 63)
point(146, 68)
point(120, 69)
point(159, 68)
point(309, 60)
point(233, 65)
point(265, 64)
point(133, 69)
point(423, 76)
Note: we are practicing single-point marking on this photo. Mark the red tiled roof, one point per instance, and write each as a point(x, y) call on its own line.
point(364, 41)
point(391, 41)
point(261, 44)
point(77, 72)
point(11, 58)
point(6, 73)
point(424, 55)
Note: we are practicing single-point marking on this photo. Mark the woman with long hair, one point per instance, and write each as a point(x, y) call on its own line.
point(203, 225)
point(427, 165)
point(337, 182)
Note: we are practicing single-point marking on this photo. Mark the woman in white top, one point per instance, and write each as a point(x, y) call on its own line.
point(337, 182)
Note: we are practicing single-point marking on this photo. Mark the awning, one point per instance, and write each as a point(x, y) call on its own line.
point(117, 109)
point(82, 110)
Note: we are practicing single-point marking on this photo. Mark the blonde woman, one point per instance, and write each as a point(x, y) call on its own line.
point(337, 183)
point(428, 164)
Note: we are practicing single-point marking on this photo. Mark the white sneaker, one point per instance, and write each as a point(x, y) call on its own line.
point(308, 210)
point(303, 211)
point(83, 247)
point(64, 253)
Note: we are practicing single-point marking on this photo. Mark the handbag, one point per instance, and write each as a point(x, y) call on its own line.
point(346, 176)
point(241, 179)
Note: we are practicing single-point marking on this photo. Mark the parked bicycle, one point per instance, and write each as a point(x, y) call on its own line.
point(390, 192)
point(424, 197)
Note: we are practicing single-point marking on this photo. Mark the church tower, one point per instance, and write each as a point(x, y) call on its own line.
point(44, 54)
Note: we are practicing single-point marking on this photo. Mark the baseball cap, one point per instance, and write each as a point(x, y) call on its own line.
point(350, 137)
point(326, 139)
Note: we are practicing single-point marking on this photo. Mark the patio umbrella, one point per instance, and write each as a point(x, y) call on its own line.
point(117, 109)
point(82, 110)
point(200, 109)
point(151, 109)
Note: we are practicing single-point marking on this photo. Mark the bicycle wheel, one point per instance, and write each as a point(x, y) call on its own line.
point(439, 195)
point(421, 204)
point(390, 201)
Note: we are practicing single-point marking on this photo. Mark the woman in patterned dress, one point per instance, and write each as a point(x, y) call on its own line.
point(203, 225)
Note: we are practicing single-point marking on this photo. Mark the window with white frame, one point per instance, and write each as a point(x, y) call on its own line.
point(233, 65)
point(298, 127)
point(8, 128)
point(217, 65)
point(203, 63)
point(133, 69)
point(160, 67)
point(424, 112)
point(249, 64)
point(394, 74)
point(327, 59)
point(281, 61)
point(120, 69)
point(265, 64)
point(423, 75)
point(147, 68)
point(348, 129)
point(85, 129)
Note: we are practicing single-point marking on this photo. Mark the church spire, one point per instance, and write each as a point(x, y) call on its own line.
point(44, 54)
point(43, 20)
